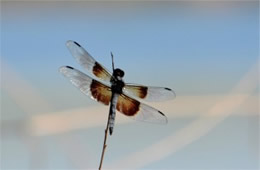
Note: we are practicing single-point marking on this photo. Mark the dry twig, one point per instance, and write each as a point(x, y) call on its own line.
point(104, 145)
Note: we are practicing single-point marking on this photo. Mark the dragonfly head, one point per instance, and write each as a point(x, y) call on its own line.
point(118, 73)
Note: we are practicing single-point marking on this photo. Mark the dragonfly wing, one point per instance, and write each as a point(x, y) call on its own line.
point(149, 93)
point(87, 61)
point(92, 88)
point(139, 111)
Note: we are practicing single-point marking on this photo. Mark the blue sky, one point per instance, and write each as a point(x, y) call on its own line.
point(195, 48)
point(185, 43)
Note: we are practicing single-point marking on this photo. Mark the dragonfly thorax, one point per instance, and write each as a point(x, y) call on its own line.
point(117, 82)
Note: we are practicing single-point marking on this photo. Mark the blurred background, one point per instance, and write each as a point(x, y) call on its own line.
point(207, 52)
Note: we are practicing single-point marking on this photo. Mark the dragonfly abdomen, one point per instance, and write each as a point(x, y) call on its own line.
point(112, 112)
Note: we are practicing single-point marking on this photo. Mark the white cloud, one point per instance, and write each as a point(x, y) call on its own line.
point(196, 129)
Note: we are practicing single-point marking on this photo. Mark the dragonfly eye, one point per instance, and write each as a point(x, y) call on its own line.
point(118, 72)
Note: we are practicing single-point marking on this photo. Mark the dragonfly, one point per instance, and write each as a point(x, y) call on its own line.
point(110, 89)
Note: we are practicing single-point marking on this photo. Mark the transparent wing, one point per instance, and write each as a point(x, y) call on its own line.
point(102, 93)
point(87, 61)
point(149, 93)
point(92, 88)
point(139, 111)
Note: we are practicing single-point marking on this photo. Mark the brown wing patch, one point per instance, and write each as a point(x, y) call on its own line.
point(127, 105)
point(100, 92)
point(100, 72)
point(139, 91)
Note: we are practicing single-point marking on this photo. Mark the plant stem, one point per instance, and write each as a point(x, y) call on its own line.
point(104, 145)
